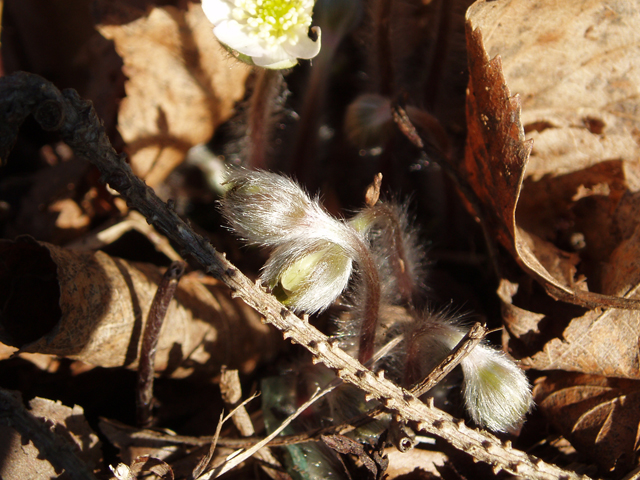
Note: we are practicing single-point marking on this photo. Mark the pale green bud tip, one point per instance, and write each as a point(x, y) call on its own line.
point(295, 275)
point(266, 33)
point(311, 263)
point(497, 393)
point(308, 279)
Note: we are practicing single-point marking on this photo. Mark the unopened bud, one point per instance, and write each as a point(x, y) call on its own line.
point(496, 392)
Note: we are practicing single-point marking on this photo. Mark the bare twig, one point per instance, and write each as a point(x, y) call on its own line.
point(146, 366)
point(205, 462)
point(462, 349)
point(133, 221)
point(22, 94)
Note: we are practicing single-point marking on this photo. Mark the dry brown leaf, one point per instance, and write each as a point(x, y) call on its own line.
point(598, 342)
point(93, 307)
point(495, 159)
point(21, 459)
point(182, 85)
point(600, 416)
point(497, 152)
point(421, 464)
point(577, 69)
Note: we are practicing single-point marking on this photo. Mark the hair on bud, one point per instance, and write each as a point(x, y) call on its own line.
point(496, 392)
point(264, 208)
point(308, 278)
point(313, 253)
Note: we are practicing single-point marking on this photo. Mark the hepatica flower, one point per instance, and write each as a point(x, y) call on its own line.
point(267, 33)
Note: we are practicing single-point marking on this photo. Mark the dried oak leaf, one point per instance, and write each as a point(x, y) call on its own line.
point(182, 84)
point(497, 151)
point(599, 415)
point(599, 342)
point(93, 307)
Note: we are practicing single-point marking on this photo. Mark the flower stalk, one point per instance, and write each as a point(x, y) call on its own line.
point(261, 110)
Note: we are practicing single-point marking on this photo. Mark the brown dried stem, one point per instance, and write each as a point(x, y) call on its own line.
point(231, 392)
point(473, 337)
point(146, 365)
point(22, 94)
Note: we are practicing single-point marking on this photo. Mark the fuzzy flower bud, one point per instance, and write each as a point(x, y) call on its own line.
point(496, 392)
point(267, 33)
point(313, 254)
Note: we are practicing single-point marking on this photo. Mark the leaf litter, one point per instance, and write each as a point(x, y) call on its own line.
point(552, 175)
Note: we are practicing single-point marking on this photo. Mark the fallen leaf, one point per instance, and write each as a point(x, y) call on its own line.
point(600, 416)
point(597, 342)
point(182, 84)
point(422, 464)
point(22, 459)
point(93, 307)
point(498, 153)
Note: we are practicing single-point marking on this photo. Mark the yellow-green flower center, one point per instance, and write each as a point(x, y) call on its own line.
point(274, 21)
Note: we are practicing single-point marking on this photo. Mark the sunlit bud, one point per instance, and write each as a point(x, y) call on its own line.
point(265, 208)
point(313, 254)
point(267, 33)
point(310, 278)
point(496, 392)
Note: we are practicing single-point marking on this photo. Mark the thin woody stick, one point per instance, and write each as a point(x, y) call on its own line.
point(146, 366)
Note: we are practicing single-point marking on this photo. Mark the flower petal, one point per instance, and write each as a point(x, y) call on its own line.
point(216, 10)
point(276, 60)
point(305, 47)
point(232, 34)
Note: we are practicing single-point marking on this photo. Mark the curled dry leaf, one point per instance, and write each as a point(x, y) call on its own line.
point(93, 307)
point(577, 85)
point(163, 115)
point(416, 463)
point(599, 415)
point(144, 464)
point(578, 203)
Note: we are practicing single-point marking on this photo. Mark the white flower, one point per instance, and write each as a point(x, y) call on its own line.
point(267, 33)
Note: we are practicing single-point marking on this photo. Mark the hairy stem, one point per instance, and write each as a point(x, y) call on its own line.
point(386, 217)
point(371, 280)
point(261, 111)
